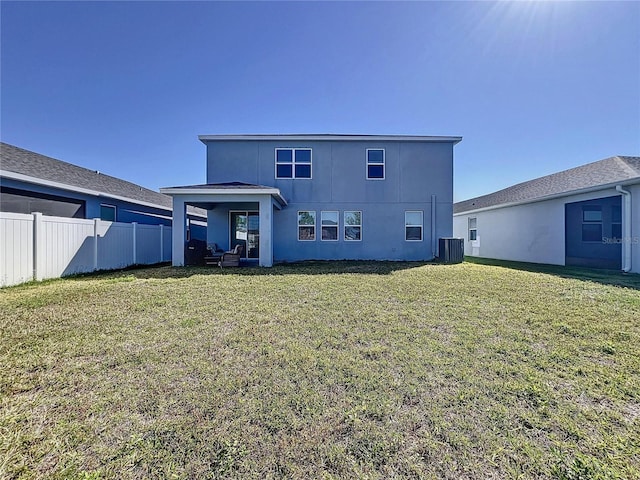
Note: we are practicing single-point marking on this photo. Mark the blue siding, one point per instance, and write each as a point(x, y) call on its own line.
point(414, 171)
point(603, 252)
point(127, 212)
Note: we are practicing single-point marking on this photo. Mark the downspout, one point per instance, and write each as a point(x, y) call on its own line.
point(626, 229)
point(434, 241)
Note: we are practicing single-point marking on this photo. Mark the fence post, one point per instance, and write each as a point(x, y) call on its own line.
point(161, 243)
point(38, 251)
point(135, 228)
point(96, 230)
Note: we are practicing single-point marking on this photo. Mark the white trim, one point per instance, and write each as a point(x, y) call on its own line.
point(337, 226)
point(293, 163)
point(73, 188)
point(224, 191)
point(421, 212)
point(607, 186)
point(383, 163)
point(344, 226)
point(469, 229)
point(315, 230)
point(332, 137)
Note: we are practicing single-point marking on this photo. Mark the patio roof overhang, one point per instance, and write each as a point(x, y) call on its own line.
point(208, 196)
point(227, 192)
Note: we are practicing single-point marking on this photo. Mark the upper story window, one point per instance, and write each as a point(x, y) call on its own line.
point(375, 164)
point(293, 163)
point(108, 213)
point(473, 228)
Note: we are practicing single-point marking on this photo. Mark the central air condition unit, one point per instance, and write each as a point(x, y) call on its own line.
point(451, 250)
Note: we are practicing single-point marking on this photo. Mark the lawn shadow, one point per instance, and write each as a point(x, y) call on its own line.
point(328, 267)
point(604, 277)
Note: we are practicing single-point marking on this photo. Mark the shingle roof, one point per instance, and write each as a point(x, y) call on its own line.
point(25, 162)
point(603, 172)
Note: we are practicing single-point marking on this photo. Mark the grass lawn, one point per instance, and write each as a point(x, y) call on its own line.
point(328, 370)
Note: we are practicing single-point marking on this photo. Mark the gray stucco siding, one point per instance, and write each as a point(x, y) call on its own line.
point(413, 173)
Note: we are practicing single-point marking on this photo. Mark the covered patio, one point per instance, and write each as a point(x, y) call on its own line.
point(247, 197)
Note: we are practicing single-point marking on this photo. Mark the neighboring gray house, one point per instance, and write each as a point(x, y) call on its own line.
point(30, 182)
point(302, 197)
point(586, 216)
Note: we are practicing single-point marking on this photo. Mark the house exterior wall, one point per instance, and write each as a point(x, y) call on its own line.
point(532, 232)
point(635, 227)
point(414, 172)
point(86, 206)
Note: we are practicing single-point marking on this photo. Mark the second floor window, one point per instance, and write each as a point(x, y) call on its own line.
point(375, 164)
point(293, 163)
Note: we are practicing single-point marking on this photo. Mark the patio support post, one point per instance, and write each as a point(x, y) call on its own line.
point(266, 231)
point(178, 232)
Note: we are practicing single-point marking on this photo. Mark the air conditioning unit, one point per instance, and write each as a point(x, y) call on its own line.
point(451, 250)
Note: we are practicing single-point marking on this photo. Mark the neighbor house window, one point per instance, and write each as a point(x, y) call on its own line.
point(329, 225)
point(108, 213)
point(353, 226)
point(413, 225)
point(592, 223)
point(616, 221)
point(293, 163)
point(375, 164)
point(306, 225)
point(473, 230)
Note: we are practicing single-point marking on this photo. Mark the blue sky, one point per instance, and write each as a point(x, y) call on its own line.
point(126, 87)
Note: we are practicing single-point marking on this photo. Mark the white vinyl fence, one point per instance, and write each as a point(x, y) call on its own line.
point(36, 247)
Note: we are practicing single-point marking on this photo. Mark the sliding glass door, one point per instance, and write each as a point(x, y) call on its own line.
point(245, 230)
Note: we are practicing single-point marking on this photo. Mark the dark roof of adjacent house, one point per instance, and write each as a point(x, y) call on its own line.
point(37, 166)
point(603, 173)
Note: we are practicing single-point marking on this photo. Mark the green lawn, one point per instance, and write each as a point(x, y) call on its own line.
point(328, 370)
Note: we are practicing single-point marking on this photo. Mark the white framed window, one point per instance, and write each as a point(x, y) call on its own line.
point(413, 220)
point(375, 164)
point(353, 226)
point(293, 163)
point(329, 225)
point(107, 212)
point(473, 229)
point(306, 225)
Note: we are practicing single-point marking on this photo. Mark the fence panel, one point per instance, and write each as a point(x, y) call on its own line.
point(115, 245)
point(167, 244)
point(66, 247)
point(40, 247)
point(16, 248)
point(148, 244)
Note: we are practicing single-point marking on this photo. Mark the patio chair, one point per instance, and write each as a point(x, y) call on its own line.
point(214, 254)
point(231, 258)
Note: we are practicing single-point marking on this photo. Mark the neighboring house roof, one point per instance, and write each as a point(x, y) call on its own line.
point(603, 173)
point(332, 137)
point(21, 164)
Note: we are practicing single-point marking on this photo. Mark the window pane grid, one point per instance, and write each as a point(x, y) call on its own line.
point(293, 163)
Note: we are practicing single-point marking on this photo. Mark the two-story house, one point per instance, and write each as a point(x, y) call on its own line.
point(323, 197)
